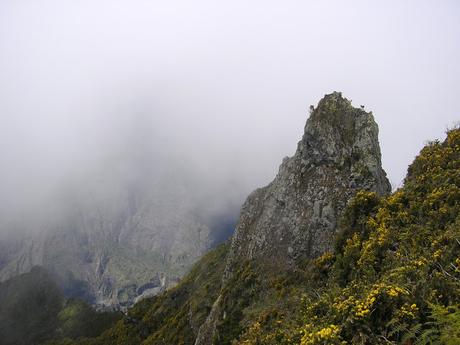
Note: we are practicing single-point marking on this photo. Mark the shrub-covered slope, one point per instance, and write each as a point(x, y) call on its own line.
point(393, 278)
point(395, 275)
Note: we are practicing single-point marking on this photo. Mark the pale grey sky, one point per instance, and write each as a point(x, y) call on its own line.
point(217, 91)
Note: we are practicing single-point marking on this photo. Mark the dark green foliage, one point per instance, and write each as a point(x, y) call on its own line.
point(79, 320)
point(33, 310)
point(237, 295)
point(29, 305)
point(354, 219)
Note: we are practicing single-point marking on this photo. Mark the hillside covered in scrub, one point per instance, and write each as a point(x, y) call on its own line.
point(390, 276)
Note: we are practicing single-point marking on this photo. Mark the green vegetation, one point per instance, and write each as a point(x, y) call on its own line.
point(34, 311)
point(393, 278)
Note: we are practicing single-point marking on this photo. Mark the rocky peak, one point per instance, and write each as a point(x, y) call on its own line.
point(296, 215)
point(337, 134)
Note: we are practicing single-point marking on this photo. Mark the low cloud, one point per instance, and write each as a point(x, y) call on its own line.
point(202, 100)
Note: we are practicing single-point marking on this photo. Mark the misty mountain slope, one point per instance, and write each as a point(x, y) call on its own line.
point(114, 250)
point(391, 277)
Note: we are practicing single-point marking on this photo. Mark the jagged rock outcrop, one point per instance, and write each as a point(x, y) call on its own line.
point(296, 215)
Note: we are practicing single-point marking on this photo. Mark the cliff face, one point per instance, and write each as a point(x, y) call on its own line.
point(296, 215)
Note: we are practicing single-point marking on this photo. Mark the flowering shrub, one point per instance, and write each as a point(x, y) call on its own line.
point(326, 335)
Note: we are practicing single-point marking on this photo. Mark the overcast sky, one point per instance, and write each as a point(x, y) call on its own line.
point(214, 90)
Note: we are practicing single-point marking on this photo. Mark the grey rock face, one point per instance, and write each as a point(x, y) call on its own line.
point(296, 215)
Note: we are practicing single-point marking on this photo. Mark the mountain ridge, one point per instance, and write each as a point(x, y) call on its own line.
point(393, 277)
point(389, 272)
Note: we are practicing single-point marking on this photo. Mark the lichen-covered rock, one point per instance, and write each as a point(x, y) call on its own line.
point(296, 215)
